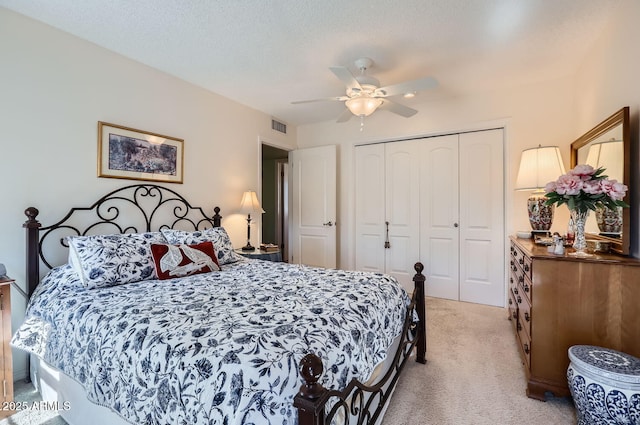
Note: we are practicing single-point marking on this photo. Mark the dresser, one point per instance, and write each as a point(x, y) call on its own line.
point(556, 301)
point(6, 366)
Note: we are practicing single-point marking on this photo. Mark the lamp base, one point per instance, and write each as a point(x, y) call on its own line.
point(248, 247)
point(540, 214)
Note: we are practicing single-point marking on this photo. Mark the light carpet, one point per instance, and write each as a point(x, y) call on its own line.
point(473, 375)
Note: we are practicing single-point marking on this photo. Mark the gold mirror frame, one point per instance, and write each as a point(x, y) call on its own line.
point(621, 118)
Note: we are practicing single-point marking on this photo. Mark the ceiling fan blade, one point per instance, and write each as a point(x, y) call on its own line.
point(345, 116)
point(397, 108)
point(346, 77)
point(407, 87)
point(339, 98)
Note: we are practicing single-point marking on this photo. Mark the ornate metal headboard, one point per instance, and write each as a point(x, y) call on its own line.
point(130, 209)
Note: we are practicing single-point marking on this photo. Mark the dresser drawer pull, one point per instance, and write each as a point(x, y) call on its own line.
point(510, 301)
point(519, 299)
point(526, 288)
point(519, 327)
point(521, 279)
point(515, 291)
point(526, 316)
point(521, 261)
point(526, 268)
point(526, 348)
point(515, 316)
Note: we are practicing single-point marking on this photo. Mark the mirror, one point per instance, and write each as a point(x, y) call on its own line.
point(608, 145)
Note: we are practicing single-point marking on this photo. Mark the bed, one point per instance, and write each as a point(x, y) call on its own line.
point(152, 318)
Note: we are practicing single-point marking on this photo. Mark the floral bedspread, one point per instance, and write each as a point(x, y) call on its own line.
point(215, 348)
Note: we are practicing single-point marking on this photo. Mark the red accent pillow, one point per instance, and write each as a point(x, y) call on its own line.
point(172, 261)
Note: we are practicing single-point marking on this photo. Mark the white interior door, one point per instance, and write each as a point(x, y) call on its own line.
point(482, 217)
point(439, 220)
point(402, 202)
point(313, 206)
point(370, 217)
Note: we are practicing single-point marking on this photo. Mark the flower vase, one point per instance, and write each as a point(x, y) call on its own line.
point(580, 243)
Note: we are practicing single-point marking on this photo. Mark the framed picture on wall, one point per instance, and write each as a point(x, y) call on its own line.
point(127, 153)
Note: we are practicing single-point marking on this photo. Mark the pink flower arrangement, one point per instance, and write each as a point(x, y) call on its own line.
point(584, 188)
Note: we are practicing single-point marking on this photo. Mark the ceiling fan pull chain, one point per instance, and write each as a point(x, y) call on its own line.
point(361, 122)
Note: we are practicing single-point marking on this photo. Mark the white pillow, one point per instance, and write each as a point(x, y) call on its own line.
point(108, 260)
point(221, 241)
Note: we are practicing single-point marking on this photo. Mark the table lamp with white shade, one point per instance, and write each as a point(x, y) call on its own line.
point(539, 166)
point(250, 205)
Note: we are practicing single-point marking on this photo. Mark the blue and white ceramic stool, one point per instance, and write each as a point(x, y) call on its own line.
point(605, 385)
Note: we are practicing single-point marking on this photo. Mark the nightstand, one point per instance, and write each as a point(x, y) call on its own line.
point(259, 254)
point(6, 366)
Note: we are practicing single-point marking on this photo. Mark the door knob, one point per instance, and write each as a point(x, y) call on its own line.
point(455, 224)
point(328, 223)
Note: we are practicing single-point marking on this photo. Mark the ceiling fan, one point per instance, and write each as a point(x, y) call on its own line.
point(364, 94)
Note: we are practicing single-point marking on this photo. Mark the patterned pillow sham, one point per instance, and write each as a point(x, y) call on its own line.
point(108, 260)
point(173, 261)
point(217, 235)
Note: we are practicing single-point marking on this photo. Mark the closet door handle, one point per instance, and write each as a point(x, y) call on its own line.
point(328, 223)
point(387, 244)
point(455, 224)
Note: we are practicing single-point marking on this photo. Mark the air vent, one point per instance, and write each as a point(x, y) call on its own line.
point(278, 126)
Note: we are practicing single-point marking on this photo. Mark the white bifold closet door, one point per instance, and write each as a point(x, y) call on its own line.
point(439, 218)
point(482, 230)
point(462, 216)
point(438, 200)
point(387, 215)
point(402, 203)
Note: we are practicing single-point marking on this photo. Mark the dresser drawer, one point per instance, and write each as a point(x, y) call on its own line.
point(524, 315)
point(527, 266)
point(525, 347)
point(527, 288)
point(513, 281)
point(521, 271)
point(513, 311)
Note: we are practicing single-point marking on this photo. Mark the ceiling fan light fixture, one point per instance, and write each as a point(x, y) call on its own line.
point(363, 106)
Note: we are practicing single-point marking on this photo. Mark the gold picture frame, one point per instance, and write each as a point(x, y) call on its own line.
point(128, 153)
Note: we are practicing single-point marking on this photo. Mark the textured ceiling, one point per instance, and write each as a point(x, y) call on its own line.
point(268, 53)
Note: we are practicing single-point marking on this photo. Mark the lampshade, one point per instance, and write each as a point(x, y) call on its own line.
point(608, 155)
point(363, 106)
point(250, 204)
point(539, 166)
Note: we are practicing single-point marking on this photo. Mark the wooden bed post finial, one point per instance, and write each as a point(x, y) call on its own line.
point(418, 282)
point(309, 400)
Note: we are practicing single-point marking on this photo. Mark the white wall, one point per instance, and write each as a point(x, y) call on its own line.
point(54, 88)
point(607, 80)
point(532, 115)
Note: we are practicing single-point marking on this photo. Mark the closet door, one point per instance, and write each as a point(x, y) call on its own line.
point(482, 217)
point(439, 221)
point(370, 218)
point(402, 161)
